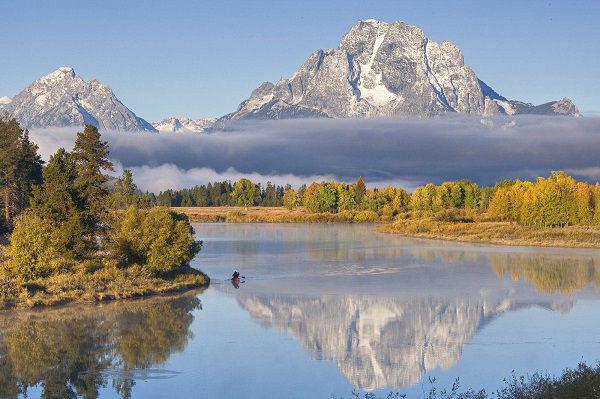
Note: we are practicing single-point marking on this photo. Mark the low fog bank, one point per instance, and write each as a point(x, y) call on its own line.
point(407, 152)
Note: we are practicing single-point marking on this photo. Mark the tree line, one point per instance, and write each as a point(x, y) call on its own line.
point(220, 193)
point(555, 201)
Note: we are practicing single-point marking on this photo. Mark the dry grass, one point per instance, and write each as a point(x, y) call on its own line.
point(262, 214)
point(498, 233)
point(101, 285)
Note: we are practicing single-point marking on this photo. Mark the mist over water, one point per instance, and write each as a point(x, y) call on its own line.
point(406, 152)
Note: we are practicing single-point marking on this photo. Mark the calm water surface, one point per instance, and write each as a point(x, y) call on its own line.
point(325, 310)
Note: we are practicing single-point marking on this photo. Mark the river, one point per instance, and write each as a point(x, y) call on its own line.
point(324, 310)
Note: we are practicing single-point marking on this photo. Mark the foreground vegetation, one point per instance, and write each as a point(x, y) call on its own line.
point(72, 239)
point(583, 382)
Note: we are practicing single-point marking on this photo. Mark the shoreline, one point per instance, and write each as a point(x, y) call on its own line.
point(480, 232)
point(102, 286)
point(69, 306)
point(264, 214)
point(498, 233)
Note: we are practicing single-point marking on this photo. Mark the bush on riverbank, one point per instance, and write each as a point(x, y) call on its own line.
point(582, 382)
point(158, 239)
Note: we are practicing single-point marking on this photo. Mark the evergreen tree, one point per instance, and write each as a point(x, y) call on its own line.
point(302, 190)
point(270, 195)
point(125, 191)
point(147, 200)
point(360, 190)
point(56, 199)
point(29, 170)
point(91, 156)
point(20, 168)
point(57, 202)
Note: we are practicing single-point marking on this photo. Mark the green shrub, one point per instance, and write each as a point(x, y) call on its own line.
point(157, 239)
point(33, 246)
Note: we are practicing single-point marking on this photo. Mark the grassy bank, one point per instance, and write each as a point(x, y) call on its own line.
point(104, 284)
point(263, 214)
point(503, 233)
point(88, 286)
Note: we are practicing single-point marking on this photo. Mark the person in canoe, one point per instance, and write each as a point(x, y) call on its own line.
point(235, 279)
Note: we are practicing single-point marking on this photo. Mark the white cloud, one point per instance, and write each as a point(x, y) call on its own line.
point(160, 178)
point(406, 152)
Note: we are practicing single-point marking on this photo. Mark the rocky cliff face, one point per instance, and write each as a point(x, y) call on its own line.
point(184, 125)
point(382, 69)
point(62, 98)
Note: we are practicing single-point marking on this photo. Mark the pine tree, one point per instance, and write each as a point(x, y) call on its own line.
point(125, 191)
point(56, 199)
point(360, 190)
point(29, 170)
point(91, 156)
point(20, 168)
point(270, 195)
point(57, 202)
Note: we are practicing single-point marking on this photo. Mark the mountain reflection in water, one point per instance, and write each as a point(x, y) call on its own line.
point(74, 351)
point(386, 309)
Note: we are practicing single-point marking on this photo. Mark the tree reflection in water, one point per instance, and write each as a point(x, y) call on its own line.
point(75, 351)
point(549, 275)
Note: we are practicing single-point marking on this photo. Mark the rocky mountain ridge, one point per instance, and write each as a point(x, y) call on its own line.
point(382, 69)
point(62, 98)
point(379, 69)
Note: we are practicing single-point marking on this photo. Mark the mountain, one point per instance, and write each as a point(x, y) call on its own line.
point(184, 125)
point(382, 69)
point(4, 101)
point(62, 98)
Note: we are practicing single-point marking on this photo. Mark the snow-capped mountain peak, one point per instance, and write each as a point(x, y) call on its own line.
point(383, 69)
point(62, 98)
point(58, 75)
point(181, 124)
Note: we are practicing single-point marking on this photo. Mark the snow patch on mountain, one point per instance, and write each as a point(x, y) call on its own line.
point(371, 86)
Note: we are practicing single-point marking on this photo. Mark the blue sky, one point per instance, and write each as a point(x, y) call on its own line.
point(197, 59)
